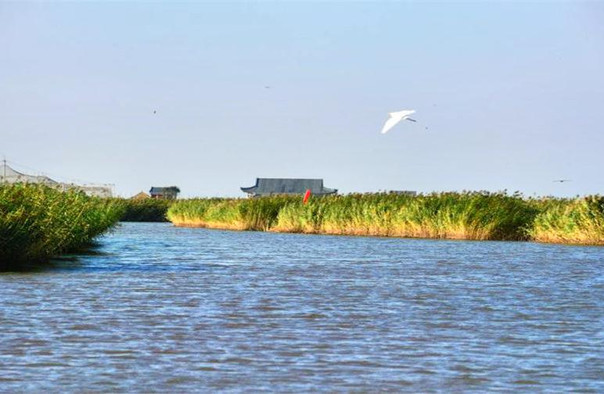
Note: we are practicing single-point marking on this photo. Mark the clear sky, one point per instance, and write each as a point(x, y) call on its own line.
point(209, 96)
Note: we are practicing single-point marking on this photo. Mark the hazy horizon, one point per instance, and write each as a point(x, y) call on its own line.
point(210, 96)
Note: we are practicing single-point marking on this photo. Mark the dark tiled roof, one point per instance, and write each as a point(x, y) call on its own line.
point(161, 190)
point(268, 186)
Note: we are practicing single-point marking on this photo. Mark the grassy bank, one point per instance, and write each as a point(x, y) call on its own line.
point(444, 215)
point(38, 222)
point(472, 216)
point(477, 216)
point(258, 214)
point(570, 221)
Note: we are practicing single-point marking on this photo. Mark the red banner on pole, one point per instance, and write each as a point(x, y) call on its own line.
point(306, 196)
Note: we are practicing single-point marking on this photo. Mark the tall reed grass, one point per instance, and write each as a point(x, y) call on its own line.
point(468, 215)
point(38, 222)
point(144, 210)
point(258, 214)
point(570, 221)
point(477, 215)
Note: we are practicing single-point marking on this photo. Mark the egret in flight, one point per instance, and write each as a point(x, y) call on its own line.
point(396, 117)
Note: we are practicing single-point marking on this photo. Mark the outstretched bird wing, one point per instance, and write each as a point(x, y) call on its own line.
point(403, 114)
point(396, 117)
point(392, 120)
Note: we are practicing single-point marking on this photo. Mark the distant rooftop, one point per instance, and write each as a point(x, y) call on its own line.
point(169, 192)
point(272, 186)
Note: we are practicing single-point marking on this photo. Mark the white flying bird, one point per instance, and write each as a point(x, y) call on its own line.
point(396, 117)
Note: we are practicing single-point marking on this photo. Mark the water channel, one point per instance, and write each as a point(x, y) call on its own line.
point(159, 308)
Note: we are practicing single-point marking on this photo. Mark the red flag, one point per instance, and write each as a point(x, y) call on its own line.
point(306, 196)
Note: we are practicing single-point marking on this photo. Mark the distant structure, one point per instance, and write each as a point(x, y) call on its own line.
point(11, 176)
point(93, 190)
point(273, 186)
point(164, 193)
point(140, 196)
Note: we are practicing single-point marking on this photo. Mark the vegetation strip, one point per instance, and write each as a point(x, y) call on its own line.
point(143, 210)
point(38, 222)
point(470, 216)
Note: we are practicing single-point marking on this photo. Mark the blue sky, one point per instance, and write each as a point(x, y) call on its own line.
point(511, 94)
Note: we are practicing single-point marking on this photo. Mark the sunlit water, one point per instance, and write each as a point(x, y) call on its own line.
point(159, 308)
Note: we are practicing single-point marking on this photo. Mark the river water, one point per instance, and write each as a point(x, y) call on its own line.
point(158, 308)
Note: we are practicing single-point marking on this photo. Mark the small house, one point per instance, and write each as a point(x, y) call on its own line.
point(291, 186)
point(164, 193)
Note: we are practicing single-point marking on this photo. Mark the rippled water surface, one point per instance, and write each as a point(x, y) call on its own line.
point(159, 308)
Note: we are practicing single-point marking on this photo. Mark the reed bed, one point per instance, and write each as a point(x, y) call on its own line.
point(144, 210)
point(467, 215)
point(576, 221)
point(258, 214)
point(38, 222)
point(478, 215)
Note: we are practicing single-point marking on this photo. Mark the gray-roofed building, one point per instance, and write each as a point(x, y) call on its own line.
point(272, 186)
point(166, 193)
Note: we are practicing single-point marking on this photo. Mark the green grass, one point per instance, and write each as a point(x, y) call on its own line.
point(468, 215)
point(570, 221)
point(478, 215)
point(240, 214)
point(38, 222)
point(446, 215)
point(144, 210)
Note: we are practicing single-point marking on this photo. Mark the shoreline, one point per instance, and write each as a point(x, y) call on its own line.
point(38, 223)
point(456, 216)
point(214, 226)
